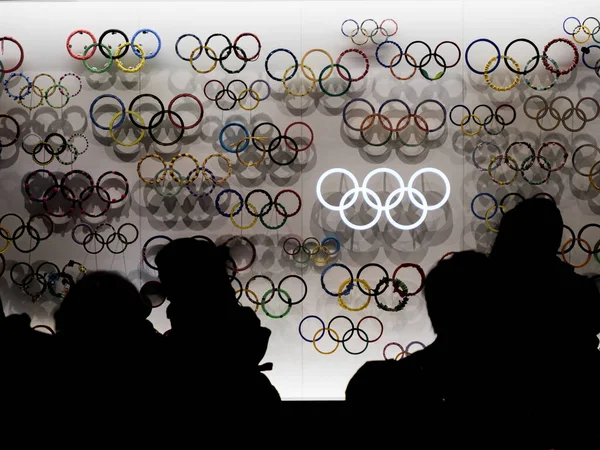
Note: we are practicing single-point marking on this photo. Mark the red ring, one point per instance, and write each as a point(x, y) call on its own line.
point(253, 57)
point(284, 214)
point(389, 345)
point(391, 20)
point(411, 116)
point(421, 272)
point(81, 57)
point(361, 53)
point(14, 41)
point(312, 136)
point(247, 266)
point(380, 323)
point(197, 122)
point(213, 81)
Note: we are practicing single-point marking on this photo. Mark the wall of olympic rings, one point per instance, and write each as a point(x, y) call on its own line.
point(340, 154)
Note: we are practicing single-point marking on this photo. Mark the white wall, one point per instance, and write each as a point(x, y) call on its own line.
point(300, 372)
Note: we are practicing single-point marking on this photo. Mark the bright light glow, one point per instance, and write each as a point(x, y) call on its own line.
point(393, 200)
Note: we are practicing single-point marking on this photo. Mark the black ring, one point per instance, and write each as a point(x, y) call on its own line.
point(17, 133)
point(247, 288)
point(537, 57)
point(235, 48)
point(221, 94)
point(239, 81)
point(571, 245)
point(3, 234)
point(124, 239)
point(3, 264)
point(62, 147)
point(220, 57)
point(49, 263)
point(36, 239)
point(113, 237)
point(468, 115)
point(12, 272)
point(88, 238)
point(48, 221)
point(585, 227)
point(101, 46)
point(98, 189)
point(151, 128)
point(27, 186)
point(66, 213)
point(40, 279)
point(260, 125)
point(289, 302)
point(269, 204)
point(65, 178)
point(132, 117)
point(430, 53)
point(358, 284)
point(486, 121)
point(278, 140)
point(352, 328)
point(516, 194)
point(366, 341)
point(500, 119)
point(238, 295)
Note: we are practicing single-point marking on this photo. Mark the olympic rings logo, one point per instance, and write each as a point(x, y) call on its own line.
point(373, 287)
point(55, 150)
point(12, 237)
point(47, 277)
point(68, 194)
point(269, 294)
point(393, 200)
point(43, 93)
point(340, 338)
point(572, 112)
point(482, 124)
point(594, 169)
point(373, 118)
point(404, 351)
point(361, 34)
point(107, 52)
point(237, 98)
point(588, 30)
point(423, 61)
point(230, 48)
point(311, 249)
point(94, 235)
point(138, 122)
point(534, 157)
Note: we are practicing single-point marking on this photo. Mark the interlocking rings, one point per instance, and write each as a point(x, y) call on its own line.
point(47, 277)
point(94, 236)
point(574, 111)
point(311, 249)
point(361, 34)
point(393, 200)
point(590, 30)
point(13, 237)
point(403, 353)
point(482, 124)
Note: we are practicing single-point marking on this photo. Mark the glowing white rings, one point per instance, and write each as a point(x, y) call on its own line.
point(393, 200)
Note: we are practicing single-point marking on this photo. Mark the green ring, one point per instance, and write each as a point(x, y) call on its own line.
point(106, 66)
point(545, 88)
point(75, 153)
point(276, 227)
point(488, 131)
point(535, 183)
point(172, 194)
point(381, 144)
point(413, 145)
point(289, 303)
point(1, 73)
point(596, 247)
point(437, 77)
point(321, 80)
point(366, 343)
point(61, 88)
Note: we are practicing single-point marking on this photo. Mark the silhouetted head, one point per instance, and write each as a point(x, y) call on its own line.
point(530, 232)
point(194, 277)
point(455, 293)
point(101, 305)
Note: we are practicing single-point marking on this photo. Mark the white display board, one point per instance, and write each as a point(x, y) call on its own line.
point(300, 372)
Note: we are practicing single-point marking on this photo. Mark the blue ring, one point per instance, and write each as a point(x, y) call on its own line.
point(377, 54)
point(205, 193)
point(583, 57)
point(286, 51)
point(260, 81)
point(300, 328)
point(149, 55)
point(244, 144)
point(483, 194)
point(123, 110)
point(18, 97)
point(348, 288)
point(184, 36)
point(338, 246)
point(347, 35)
point(225, 191)
point(565, 21)
point(498, 55)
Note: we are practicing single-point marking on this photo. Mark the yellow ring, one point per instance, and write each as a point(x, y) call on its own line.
point(31, 108)
point(337, 340)
point(487, 215)
point(112, 131)
point(247, 227)
point(3, 249)
point(403, 353)
point(251, 292)
point(288, 89)
point(240, 99)
point(52, 154)
point(302, 66)
point(172, 169)
point(343, 303)
point(321, 260)
point(254, 138)
point(586, 30)
point(591, 176)
point(463, 122)
point(130, 69)
point(502, 183)
point(565, 245)
point(218, 155)
point(150, 181)
point(207, 50)
point(54, 85)
point(486, 75)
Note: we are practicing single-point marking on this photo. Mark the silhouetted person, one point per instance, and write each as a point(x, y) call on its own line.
point(432, 390)
point(216, 344)
point(547, 325)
